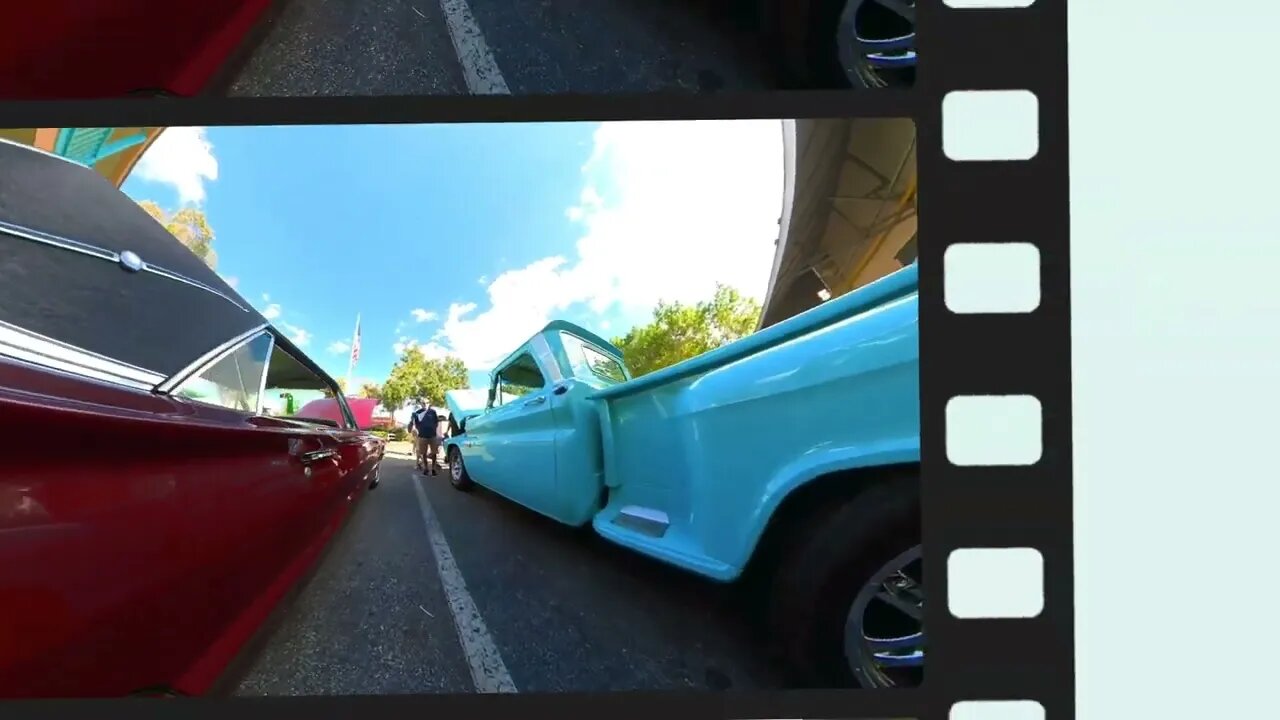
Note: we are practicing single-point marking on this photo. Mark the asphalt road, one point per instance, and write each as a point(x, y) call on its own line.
point(505, 600)
point(426, 47)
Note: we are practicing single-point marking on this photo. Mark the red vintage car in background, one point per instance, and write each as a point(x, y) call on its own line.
point(113, 48)
point(154, 506)
point(361, 410)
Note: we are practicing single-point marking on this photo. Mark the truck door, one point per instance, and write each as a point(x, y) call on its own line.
point(519, 436)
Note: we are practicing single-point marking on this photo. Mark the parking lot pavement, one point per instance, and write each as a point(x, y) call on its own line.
point(433, 590)
point(434, 47)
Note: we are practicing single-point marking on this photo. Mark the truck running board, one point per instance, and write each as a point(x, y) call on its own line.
point(648, 521)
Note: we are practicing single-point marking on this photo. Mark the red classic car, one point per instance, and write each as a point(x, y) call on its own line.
point(361, 410)
point(153, 508)
point(112, 48)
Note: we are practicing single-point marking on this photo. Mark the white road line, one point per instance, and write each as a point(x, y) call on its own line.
point(488, 672)
point(478, 66)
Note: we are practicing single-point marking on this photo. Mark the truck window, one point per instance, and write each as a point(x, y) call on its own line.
point(519, 378)
point(590, 362)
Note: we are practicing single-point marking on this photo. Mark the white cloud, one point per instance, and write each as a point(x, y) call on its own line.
point(273, 313)
point(181, 157)
point(483, 280)
point(338, 346)
point(432, 350)
point(667, 210)
point(233, 281)
point(296, 334)
point(588, 200)
point(423, 315)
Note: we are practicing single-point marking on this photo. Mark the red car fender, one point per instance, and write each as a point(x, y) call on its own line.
point(114, 48)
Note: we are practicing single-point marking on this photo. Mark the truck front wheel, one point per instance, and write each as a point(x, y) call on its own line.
point(458, 476)
point(847, 601)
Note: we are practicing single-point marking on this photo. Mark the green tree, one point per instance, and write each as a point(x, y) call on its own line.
point(190, 226)
point(679, 332)
point(417, 376)
point(342, 387)
point(370, 390)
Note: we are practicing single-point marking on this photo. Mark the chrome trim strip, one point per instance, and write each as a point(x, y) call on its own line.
point(84, 248)
point(644, 513)
point(209, 358)
point(317, 455)
point(59, 242)
point(348, 419)
point(41, 350)
point(67, 368)
point(262, 385)
point(643, 520)
point(76, 374)
point(171, 275)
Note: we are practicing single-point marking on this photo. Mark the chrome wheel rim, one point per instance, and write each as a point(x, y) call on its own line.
point(455, 466)
point(877, 42)
point(884, 638)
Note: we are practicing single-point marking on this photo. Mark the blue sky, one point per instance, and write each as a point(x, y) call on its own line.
point(464, 239)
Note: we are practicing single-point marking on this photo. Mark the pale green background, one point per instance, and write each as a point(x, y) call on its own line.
point(1175, 212)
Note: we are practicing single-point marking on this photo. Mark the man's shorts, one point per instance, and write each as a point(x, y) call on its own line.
point(428, 447)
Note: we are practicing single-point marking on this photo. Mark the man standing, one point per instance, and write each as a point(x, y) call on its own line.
point(413, 436)
point(426, 425)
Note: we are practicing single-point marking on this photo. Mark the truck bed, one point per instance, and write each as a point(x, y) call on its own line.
point(696, 456)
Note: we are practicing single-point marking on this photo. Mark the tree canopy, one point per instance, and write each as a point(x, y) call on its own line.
point(342, 386)
point(679, 332)
point(369, 390)
point(190, 226)
point(417, 376)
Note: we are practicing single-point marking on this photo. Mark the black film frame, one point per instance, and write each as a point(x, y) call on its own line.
point(990, 202)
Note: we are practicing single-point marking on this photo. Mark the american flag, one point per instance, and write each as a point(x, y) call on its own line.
point(355, 352)
point(355, 343)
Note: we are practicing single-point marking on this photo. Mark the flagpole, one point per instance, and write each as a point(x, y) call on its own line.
point(351, 360)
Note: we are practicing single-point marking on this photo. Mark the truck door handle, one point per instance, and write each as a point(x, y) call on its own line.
point(536, 401)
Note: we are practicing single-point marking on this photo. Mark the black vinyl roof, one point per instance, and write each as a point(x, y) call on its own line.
point(141, 318)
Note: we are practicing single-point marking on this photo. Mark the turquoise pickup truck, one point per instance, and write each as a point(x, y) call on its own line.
point(789, 458)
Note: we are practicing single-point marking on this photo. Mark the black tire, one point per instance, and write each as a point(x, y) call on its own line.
point(820, 573)
point(458, 476)
point(804, 33)
point(377, 476)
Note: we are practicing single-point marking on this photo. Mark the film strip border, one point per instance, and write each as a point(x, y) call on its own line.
point(995, 359)
point(995, 375)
